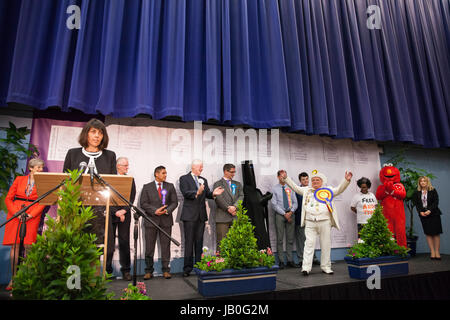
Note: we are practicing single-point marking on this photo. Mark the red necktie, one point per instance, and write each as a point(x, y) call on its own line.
point(159, 190)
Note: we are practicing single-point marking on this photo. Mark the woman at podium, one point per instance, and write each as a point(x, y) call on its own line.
point(94, 141)
point(22, 193)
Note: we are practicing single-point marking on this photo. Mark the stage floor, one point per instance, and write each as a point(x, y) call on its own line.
point(289, 281)
point(291, 284)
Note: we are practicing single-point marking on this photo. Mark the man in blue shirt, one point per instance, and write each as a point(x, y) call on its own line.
point(284, 204)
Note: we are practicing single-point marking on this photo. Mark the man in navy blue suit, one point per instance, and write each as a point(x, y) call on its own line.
point(195, 190)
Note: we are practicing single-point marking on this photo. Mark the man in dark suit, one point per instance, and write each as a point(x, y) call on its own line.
point(227, 202)
point(158, 199)
point(195, 190)
point(121, 219)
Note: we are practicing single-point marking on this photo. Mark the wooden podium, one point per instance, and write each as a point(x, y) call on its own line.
point(95, 194)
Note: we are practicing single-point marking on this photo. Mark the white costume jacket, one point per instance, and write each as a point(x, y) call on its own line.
point(303, 191)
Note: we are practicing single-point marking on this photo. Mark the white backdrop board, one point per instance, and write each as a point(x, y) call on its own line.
point(148, 144)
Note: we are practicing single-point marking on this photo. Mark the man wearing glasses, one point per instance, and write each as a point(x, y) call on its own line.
point(227, 202)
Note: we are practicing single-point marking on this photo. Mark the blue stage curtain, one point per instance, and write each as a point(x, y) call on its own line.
point(310, 66)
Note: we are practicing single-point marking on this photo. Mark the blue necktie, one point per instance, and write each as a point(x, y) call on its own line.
point(285, 199)
point(196, 181)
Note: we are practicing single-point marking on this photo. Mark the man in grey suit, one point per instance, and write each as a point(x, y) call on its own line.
point(158, 199)
point(227, 202)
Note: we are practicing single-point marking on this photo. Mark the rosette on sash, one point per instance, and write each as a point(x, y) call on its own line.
point(325, 195)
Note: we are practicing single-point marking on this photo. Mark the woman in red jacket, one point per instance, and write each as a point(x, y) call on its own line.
point(21, 194)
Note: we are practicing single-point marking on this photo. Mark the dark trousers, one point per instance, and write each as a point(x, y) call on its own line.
point(123, 231)
point(221, 232)
point(151, 235)
point(193, 243)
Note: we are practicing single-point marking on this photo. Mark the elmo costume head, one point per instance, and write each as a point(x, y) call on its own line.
point(389, 173)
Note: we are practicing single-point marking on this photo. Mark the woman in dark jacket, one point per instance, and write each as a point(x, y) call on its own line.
point(426, 201)
point(94, 141)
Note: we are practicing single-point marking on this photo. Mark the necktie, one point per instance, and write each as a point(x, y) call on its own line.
point(285, 199)
point(229, 183)
point(159, 190)
point(196, 180)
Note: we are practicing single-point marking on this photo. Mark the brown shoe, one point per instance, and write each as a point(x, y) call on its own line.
point(167, 275)
point(127, 276)
point(148, 276)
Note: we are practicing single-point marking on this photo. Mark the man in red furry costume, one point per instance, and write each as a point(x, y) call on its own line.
point(391, 194)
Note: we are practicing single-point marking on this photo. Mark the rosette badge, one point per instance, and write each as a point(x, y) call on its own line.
point(163, 194)
point(325, 195)
point(233, 188)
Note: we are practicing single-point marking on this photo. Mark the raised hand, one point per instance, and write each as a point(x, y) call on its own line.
point(218, 191)
point(200, 189)
point(348, 175)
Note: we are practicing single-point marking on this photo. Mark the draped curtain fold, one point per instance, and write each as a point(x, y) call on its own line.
point(310, 66)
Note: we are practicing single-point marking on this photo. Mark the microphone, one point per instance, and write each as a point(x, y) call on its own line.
point(81, 168)
point(91, 172)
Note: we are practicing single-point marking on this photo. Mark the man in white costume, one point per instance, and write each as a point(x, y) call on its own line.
point(318, 219)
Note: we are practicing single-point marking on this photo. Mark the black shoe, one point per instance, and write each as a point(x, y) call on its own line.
point(186, 274)
point(281, 265)
point(291, 264)
point(305, 273)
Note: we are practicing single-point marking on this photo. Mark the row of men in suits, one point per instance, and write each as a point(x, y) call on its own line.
point(159, 200)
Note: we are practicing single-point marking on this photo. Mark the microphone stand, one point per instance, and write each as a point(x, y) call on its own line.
point(138, 213)
point(136, 236)
point(22, 234)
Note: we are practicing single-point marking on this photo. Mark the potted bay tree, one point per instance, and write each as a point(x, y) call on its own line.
point(378, 247)
point(239, 267)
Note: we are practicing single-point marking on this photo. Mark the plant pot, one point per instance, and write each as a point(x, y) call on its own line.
point(233, 281)
point(389, 266)
point(412, 243)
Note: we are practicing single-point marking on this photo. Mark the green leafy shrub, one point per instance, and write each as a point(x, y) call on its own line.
point(377, 239)
point(238, 249)
point(45, 274)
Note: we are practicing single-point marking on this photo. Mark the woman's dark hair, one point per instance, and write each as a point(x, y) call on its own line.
point(97, 124)
point(365, 181)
